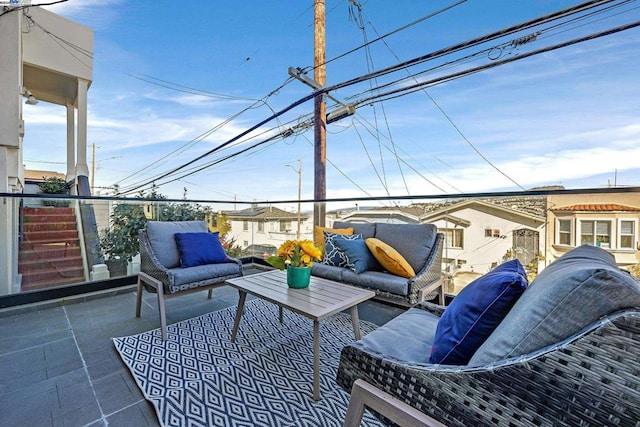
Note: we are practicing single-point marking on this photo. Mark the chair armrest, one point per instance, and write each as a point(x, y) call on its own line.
point(365, 395)
point(430, 275)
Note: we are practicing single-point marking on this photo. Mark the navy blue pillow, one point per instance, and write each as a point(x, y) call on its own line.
point(332, 254)
point(475, 312)
point(199, 249)
point(357, 255)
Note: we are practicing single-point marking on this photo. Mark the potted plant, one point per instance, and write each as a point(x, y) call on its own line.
point(119, 249)
point(55, 185)
point(297, 256)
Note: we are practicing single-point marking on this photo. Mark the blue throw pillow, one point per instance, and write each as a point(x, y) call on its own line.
point(332, 254)
point(199, 249)
point(357, 255)
point(475, 312)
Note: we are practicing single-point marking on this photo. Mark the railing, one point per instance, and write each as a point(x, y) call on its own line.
point(49, 252)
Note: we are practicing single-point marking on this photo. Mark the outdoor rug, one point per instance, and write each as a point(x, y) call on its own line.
point(198, 377)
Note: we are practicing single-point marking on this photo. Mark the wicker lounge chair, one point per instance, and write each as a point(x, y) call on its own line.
point(591, 377)
point(161, 271)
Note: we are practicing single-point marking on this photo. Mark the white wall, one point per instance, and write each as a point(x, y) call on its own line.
point(478, 251)
point(11, 173)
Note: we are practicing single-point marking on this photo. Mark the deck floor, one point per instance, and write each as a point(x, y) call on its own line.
point(58, 365)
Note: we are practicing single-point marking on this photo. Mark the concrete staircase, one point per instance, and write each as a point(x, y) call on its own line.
point(49, 255)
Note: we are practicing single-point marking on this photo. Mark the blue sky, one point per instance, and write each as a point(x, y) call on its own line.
point(569, 116)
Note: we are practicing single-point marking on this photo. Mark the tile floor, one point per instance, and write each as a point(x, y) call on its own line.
point(58, 366)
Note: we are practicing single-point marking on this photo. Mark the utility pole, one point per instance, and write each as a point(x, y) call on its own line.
point(299, 195)
point(299, 172)
point(93, 165)
point(319, 116)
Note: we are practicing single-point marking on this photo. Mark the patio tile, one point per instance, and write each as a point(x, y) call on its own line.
point(117, 391)
point(141, 414)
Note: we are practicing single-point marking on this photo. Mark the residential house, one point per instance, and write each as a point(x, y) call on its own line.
point(608, 220)
point(267, 225)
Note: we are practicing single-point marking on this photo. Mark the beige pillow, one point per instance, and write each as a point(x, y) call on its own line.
point(318, 235)
point(389, 258)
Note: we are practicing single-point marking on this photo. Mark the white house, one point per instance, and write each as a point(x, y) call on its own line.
point(35, 66)
point(267, 225)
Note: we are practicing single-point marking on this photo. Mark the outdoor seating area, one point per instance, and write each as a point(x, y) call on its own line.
point(89, 361)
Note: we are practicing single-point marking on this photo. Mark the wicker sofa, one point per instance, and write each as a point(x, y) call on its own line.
point(566, 353)
point(420, 245)
point(162, 270)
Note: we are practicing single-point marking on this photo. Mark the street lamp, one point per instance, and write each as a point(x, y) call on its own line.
point(299, 172)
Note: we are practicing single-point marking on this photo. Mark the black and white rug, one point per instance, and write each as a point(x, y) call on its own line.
point(199, 378)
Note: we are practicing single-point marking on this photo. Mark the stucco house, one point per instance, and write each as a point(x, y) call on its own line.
point(607, 220)
point(267, 225)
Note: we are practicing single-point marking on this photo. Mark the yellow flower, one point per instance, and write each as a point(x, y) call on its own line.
point(297, 253)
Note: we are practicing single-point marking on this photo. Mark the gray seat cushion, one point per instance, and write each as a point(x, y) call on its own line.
point(327, 271)
point(407, 337)
point(199, 273)
point(570, 294)
point(413, 241)
point(385, 282)
point(162, 241)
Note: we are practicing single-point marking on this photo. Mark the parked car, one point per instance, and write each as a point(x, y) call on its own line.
point(260, 250)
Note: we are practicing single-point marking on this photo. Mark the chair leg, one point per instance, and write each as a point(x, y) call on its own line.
point(161, 311)
point(139, 296)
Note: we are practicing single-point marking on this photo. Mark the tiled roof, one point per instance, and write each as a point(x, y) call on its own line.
point(268, 212)
point(598, 207)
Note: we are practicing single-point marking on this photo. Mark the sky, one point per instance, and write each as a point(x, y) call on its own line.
point(168, 76)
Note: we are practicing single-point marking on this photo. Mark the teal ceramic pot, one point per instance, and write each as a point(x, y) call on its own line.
point(298, 277)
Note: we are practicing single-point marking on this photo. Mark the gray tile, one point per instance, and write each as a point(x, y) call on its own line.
point(140, 414)
point(117, 391)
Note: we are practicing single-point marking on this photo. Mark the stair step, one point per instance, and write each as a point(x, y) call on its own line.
point(51, 281)
point(36, 265)
point(60, 236)
point(30, 219)
point(49, 226)
point(39, 252)
point(48, 211)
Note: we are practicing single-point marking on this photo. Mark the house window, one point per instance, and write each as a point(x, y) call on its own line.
point(285, 226)
point(453, 237)
point(597, 233)
point(627, 234)
point(245, 225)
point(260, 227)
point(491, 232)
point(565, 235)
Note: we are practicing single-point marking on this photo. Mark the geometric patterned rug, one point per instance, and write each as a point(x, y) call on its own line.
point(199, 378)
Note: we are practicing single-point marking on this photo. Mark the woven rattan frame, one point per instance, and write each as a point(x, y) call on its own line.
point(590, 379)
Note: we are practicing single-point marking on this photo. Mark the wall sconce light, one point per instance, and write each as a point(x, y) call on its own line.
point(31, 100)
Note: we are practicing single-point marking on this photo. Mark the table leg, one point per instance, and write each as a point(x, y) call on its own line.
point(316, 360)
point(239, 311)
point(356, 322)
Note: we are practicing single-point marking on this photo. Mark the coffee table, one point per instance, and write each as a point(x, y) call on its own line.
point(323, 298)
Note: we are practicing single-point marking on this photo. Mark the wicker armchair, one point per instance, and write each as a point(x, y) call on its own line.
point(160, 269)
point(592, 378)
point(566, 353)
